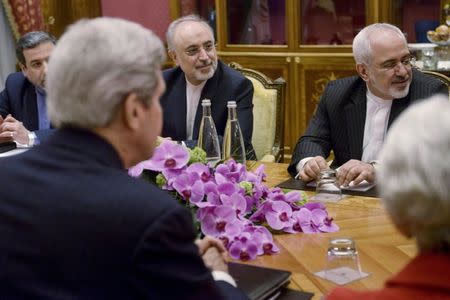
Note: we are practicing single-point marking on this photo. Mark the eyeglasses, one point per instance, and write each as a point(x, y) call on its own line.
point(407, 62)
point(194, 50)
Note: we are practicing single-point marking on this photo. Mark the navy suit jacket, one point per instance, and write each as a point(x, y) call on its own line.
point(340, 118)
point(75, 225)
point(19, 99)
point(226, 85)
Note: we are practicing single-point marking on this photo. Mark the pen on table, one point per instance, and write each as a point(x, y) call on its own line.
point(297, 176)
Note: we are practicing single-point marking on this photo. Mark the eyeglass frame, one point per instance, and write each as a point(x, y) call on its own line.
point(192, 51)
point(407, 62)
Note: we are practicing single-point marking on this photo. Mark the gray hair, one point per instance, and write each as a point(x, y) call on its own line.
point(31, 40)
point(362, 48)
point(173, 26)
point(96, 65)
point(414, 177)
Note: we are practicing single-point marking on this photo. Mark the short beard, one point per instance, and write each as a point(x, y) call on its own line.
point(396, 94)
point(202, 77)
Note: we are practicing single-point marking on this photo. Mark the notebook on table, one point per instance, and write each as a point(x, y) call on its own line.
point(260, 283)
point(294, 184)
point(7, 146)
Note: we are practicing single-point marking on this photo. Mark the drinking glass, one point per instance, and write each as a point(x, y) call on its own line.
point(428, 58)
point(342, 260)
point(326, 188)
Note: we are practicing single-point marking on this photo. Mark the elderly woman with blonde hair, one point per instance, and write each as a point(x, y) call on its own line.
point(414, 183)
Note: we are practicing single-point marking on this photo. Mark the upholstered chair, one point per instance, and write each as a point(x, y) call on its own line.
point(268, 111)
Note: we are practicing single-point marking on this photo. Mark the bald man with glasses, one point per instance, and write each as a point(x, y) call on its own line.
point(198, 75)
point(354, 113)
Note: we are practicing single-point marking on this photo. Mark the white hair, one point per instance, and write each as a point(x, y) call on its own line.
point(95, 65)
point(362, 48)
point(170, 34)
point(414, 176)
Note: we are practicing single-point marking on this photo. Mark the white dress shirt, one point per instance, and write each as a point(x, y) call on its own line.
point(377, 117)
point(193, 93)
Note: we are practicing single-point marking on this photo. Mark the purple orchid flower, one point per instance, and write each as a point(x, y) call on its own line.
point(231, 232)
point(201, 170)
point(257, 177)
point(234, 172)
point(313, 221)
point(224, 185)
point(279, 216)
point(264, 238)
point(236, 202)
point(214, 219)
point(260, 214)
point(189, 187)
point(244, 248)
point(169, 155)
point(170, 175)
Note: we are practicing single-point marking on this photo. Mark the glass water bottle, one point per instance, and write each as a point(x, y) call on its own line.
point(208, 139)
point(233, 142)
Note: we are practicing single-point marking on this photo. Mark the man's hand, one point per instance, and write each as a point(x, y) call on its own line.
point(210, 242)
point(356, 171)
point(13, 130)
point(7, 137)
point(213, 253)
point(311, 169)
point(213, 259)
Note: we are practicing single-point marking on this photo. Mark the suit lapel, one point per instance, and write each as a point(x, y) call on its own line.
point(179, 107)
point(398, 106)
point(355, 113)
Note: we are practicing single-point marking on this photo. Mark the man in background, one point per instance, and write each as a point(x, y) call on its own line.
point(199, 75)
point(73, 224)
point(23, 112)
point(354, 113)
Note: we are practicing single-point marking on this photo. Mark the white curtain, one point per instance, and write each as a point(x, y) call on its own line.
point(7, 48)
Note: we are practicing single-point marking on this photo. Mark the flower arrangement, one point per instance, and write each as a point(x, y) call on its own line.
point(231, 203)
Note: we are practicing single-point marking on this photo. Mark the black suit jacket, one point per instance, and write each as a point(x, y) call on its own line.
point(226, 85)
point(338, 123)
point(74, 225)
point(19, 99)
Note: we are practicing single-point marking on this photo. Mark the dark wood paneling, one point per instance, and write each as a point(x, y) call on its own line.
point(58, 14)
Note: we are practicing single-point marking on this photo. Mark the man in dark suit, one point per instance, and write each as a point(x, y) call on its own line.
point(23, 113)
point(354, 113)
point(199, 75)
point(73, 224)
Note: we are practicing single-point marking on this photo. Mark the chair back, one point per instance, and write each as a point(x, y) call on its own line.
point(268, 111)
point(445, 79)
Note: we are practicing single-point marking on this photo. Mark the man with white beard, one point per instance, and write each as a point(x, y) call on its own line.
point(199, 75)
point(354, 113)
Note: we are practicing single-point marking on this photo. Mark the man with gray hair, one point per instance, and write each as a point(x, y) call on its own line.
point(74, 224)
point(199, 75)
point(414, 185)
point(354, 113)
point(23, 112)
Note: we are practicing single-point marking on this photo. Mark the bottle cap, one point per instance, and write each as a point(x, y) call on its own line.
point(231, 104)
point(206, 102)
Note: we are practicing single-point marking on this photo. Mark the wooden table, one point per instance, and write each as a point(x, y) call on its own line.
point(382, 250)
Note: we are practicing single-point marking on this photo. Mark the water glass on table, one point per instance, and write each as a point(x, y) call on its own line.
point(326, 187)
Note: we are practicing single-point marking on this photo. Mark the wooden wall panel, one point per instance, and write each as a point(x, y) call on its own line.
point(59, 14)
